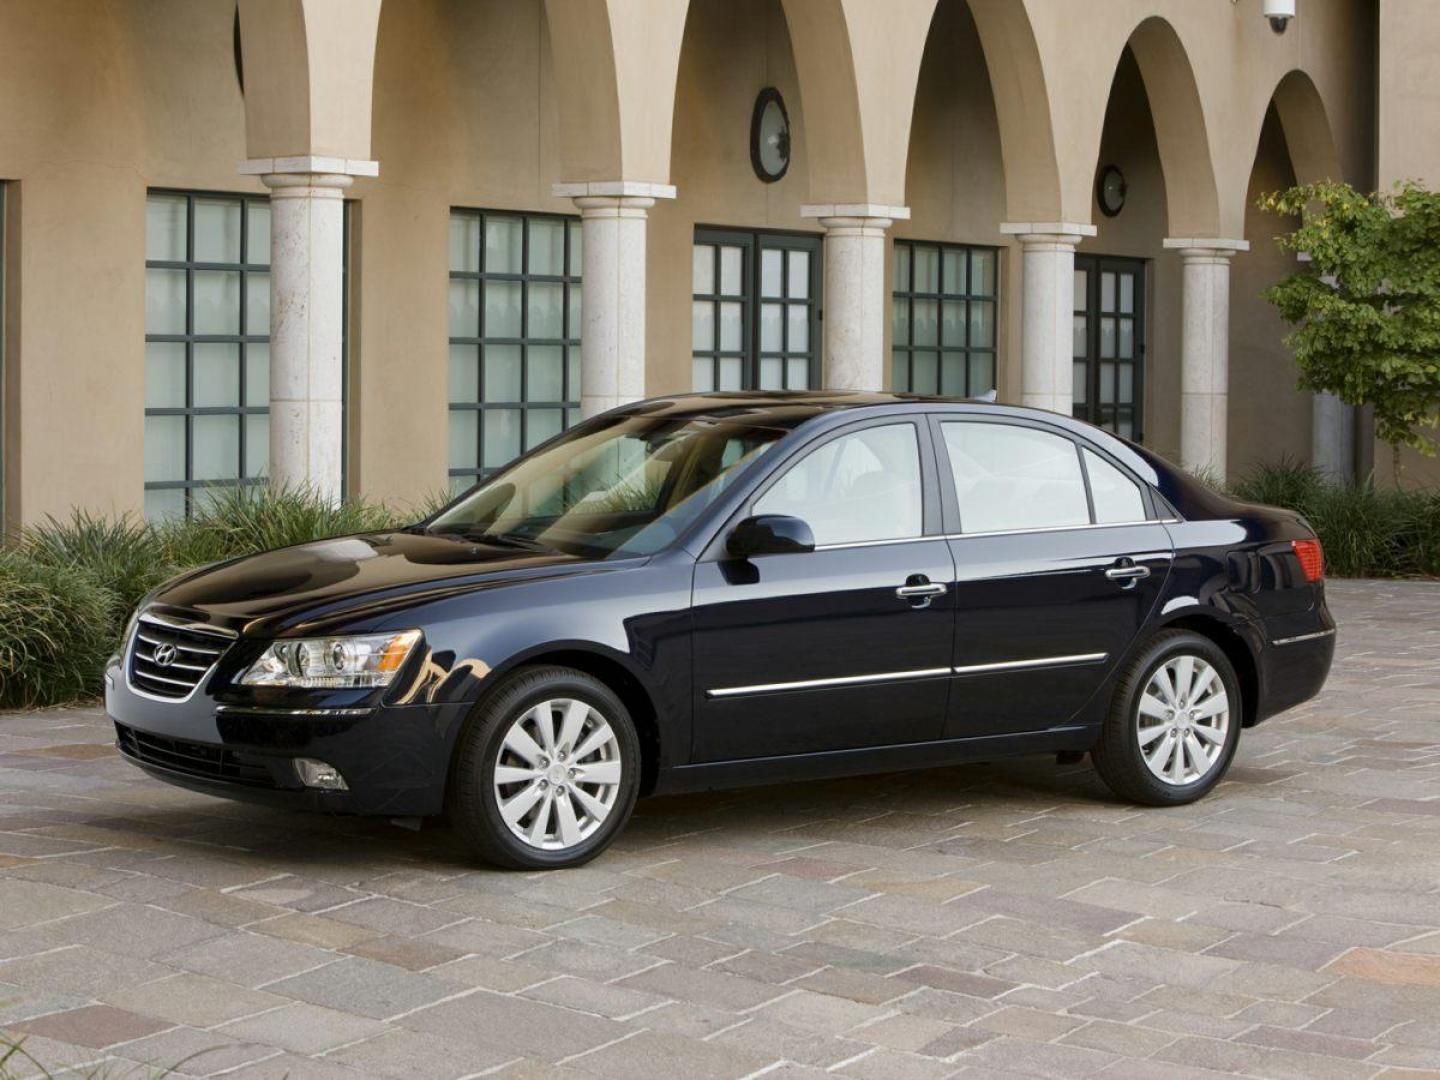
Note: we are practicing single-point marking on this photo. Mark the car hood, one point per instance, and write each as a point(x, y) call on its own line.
point(351, 576)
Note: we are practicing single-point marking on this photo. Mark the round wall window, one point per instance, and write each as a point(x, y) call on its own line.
point(1110, 191)
point(770, 136)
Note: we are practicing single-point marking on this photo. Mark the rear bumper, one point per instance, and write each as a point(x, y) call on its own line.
point(395, 760)
point(1294, 663)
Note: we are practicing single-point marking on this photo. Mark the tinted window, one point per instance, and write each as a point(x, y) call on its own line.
point(863, 486)
point(629, 484)
point(1010, 478)
point(1117, 498)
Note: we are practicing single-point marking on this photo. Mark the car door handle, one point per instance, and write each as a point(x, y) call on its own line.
point(1128, 575)
point(920, 592)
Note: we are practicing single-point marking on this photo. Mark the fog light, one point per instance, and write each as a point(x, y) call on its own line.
point(320, 774)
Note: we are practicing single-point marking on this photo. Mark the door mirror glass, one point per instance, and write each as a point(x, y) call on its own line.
point(770, 534)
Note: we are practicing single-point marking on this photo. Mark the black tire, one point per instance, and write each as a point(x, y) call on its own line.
point(472, 796)
point(1117, 755)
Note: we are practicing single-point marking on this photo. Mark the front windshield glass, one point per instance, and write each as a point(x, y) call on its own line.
point(627, 485)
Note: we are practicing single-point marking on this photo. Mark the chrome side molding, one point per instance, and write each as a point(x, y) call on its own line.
point(900, 676)
point(1038, 662)
point(815, 684)
point(1303, 637)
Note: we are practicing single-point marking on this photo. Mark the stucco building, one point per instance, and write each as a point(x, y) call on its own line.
point(383, 247)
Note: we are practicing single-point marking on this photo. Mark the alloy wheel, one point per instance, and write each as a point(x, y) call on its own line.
point(558, 774)
point(1183, 720)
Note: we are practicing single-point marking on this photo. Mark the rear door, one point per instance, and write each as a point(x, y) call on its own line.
point(1059, 562)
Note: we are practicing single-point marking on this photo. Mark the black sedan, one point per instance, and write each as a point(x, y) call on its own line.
point(728, 589)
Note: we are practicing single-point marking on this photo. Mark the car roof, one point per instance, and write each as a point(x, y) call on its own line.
point(791, 406)
point(810, 409)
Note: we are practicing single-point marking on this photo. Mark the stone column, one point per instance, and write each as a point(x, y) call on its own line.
point(1205, 351)
point(307, 251)
point(857, 292)
point(612, 326)
point(1047, 338)
point(1332, 424)
point(1332, 437)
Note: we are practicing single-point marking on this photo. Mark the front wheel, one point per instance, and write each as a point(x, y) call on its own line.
point(547, 772)
point(1174, 722)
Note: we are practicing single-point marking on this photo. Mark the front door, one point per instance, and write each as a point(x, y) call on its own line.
point(1058, 564)
point(1109, 343)
point(846, 646)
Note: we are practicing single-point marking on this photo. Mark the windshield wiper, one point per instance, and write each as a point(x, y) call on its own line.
point(511, 539)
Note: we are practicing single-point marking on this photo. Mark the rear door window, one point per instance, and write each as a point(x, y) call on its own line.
point(1010, 478)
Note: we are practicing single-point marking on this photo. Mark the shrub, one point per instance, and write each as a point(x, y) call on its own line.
point(234, 521)
point(123, 554)
point(1366, 531)
point(1290, 484)
point(57, 626)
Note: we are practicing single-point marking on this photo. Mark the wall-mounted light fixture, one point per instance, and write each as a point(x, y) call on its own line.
point(1279, 12)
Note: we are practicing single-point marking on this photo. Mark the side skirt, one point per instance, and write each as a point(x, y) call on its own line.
point(748, 772)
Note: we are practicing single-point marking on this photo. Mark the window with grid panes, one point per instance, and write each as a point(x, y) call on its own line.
point(755, 309)
point(207, 345)
point(514, 336)
point(1109, 343)
point(944, 310)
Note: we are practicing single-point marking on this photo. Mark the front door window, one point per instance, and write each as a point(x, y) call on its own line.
point(1109, 343)
point(755, 311)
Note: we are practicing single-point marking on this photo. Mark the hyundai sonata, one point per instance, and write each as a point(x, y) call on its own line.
point(727, 589)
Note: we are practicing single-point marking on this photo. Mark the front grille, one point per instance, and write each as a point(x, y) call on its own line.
point(202, 760)
point(169, 661)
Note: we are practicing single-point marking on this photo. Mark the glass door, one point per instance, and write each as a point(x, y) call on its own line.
point(755, 311)
point(1109, 343)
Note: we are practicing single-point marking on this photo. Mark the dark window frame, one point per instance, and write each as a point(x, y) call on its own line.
point(243, 339)
point(569, 405)
point(905, 248)
point(1091, 409)
point(753, 244)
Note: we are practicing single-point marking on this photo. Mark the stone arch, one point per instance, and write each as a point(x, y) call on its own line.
point(1191, 193)
point(1308, 135)
point(858, 64)
point(615, 65)
point(303, 102)
point(1033, 190)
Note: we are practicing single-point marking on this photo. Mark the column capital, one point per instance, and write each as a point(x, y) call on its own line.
point(1047, 233)
point(306, 185)
point(613, 189)
point(309, 164)
point(591, 206)
point(1205, 248)
point(874, 212)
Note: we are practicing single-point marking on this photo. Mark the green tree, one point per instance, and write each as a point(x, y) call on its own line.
point(1366, 310)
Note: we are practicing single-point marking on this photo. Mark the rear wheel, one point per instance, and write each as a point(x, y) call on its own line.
point(547, 772)
point(1174, 722)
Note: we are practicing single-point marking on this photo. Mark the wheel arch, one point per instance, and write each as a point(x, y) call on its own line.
point(598, 662)
point(1231, 641)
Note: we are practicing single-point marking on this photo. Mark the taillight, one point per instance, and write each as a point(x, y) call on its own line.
point(1312, 558)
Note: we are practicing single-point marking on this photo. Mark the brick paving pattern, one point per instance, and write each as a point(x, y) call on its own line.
point(995, 920)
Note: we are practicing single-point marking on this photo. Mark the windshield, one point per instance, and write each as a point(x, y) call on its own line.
point(625, 485)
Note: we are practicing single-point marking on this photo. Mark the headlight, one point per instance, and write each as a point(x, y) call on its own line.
point(129, 633)
point(333, 662)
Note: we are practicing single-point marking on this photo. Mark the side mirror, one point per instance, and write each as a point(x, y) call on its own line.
point(770, 534)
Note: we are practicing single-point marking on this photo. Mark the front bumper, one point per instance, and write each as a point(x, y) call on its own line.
point(395, 759)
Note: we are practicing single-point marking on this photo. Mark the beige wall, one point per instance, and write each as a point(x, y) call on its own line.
point(1408, 145)
point(97, 103)
point(101, 100)
point(1269, 417)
